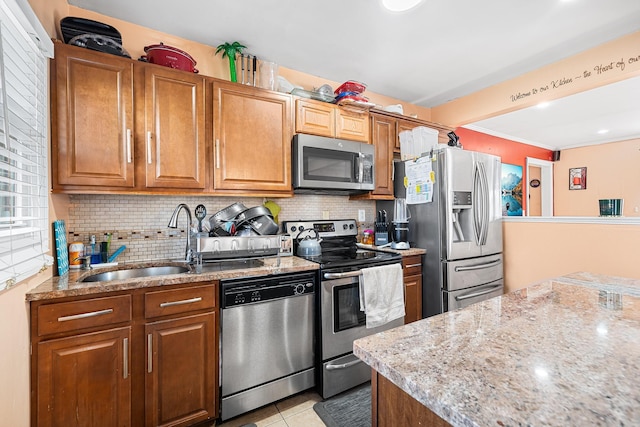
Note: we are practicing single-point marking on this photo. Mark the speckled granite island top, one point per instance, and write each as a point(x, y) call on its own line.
point(564, 352)
point(71, 284)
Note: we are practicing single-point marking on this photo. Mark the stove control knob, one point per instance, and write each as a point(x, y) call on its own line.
point(351, 226)
point(293, 228)
point(301, 228)
point(298, 289)
point(345, 226)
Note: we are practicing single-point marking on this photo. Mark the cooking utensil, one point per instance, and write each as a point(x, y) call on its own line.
point(217, 220)
point(308, 246)
point(170, 56)
point(201, 213)
point(259, 219)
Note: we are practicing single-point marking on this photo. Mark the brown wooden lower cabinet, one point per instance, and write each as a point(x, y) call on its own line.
point(412, 272)
point(127, 358)
point(392, 407)
point(180, 372)
point(85, 380)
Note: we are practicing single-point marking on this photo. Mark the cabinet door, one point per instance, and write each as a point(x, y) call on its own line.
point(315, 118)
point(175, 128)
point(92, 119)
point(383, 131)
point(352, 125)
point(252, 132)
point(181, 362)
point(412, 271)
point(413, 295)
point(84, 380)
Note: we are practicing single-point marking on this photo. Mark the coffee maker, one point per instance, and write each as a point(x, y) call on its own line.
point(401, 218)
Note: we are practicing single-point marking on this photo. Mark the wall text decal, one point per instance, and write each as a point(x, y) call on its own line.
point(597, 70)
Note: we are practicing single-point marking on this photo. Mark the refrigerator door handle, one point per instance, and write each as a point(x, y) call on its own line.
point(477, 266)
point(484, 230)
point(477, 204)
point(477, 294)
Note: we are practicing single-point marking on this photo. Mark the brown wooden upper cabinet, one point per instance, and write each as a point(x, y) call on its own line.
point(174, 131)
point(252, 140)
point(92, 119)
point(119, 124)
point(321, 118)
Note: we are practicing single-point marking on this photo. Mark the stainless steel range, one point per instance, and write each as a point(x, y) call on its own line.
point(340, 320)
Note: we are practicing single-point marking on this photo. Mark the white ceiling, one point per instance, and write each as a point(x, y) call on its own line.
point(434, 53)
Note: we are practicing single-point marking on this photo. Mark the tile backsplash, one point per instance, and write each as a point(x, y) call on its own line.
point(140, 222)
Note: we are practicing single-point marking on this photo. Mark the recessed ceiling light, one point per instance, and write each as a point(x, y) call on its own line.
point(543, 105)
point(400, 5)
point(603, 131)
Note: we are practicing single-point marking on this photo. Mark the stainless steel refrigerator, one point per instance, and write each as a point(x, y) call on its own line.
point(461, 229)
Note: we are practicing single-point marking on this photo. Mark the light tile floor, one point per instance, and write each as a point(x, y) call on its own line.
point(296, 411)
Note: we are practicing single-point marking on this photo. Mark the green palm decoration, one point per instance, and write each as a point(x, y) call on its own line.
point(230, 50)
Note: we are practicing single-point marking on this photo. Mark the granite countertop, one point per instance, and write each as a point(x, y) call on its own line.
point(560, 352)
point(70, 284)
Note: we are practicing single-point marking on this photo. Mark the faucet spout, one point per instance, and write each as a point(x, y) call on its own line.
point(173, 223)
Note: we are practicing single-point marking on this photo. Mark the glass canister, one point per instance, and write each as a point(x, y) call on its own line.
point(268, 76)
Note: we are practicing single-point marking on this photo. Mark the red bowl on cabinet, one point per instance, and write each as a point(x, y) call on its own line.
point(169, 56)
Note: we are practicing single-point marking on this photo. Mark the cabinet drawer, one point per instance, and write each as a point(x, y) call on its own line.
point(70, 316)
point(412, 265)
point(164, 303)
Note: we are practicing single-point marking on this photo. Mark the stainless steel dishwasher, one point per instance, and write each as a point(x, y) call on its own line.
point(267, 348)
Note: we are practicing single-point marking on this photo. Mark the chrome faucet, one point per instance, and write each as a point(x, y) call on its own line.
point(173, 223)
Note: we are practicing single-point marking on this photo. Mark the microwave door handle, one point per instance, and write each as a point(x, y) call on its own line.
point(360, 168)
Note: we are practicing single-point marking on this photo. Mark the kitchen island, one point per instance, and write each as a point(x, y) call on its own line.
point(560, 352)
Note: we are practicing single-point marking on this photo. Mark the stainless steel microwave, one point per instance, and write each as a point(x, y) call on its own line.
point(332, 165)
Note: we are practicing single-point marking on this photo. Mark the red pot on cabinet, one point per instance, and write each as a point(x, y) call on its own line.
point(169, 56)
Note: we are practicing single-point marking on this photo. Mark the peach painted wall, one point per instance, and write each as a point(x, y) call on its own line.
point(605, 64)
point(535, 194)
point(540, 250)
point(613, 172)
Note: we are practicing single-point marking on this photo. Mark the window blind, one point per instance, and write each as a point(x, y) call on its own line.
point(24, 229)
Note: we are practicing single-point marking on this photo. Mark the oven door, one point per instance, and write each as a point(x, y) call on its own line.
point(341, 321)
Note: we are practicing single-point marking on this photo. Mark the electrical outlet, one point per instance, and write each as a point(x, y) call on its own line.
point(361, 215)
point(325, 214)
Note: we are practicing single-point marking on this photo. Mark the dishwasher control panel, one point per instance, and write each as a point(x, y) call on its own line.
point(257, 290)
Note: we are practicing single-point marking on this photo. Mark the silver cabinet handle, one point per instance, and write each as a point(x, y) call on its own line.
point(149, 353)
point(341, 275)
point(343, 365)
point(181, 302)
point(128, 145)
point(149, 147)
point(125, 358)
point(478, 266)
point(85, 315)
point(217, 154)
point(413, 265)
point(477, 294)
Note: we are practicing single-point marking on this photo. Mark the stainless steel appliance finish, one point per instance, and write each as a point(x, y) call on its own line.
point(233, 247)
point(461, 229)
point(340, 320)
point(267, 338)
point(341, 323)
point(331, 165)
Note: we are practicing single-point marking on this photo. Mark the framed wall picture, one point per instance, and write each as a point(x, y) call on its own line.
point(511, 186)
point(578, 178)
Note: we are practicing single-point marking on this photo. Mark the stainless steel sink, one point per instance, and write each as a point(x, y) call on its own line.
point(132, 273)
point(234, 264)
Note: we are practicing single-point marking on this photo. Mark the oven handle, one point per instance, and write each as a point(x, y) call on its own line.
point(342, 275)
point(343, 365)
point(477, 294)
